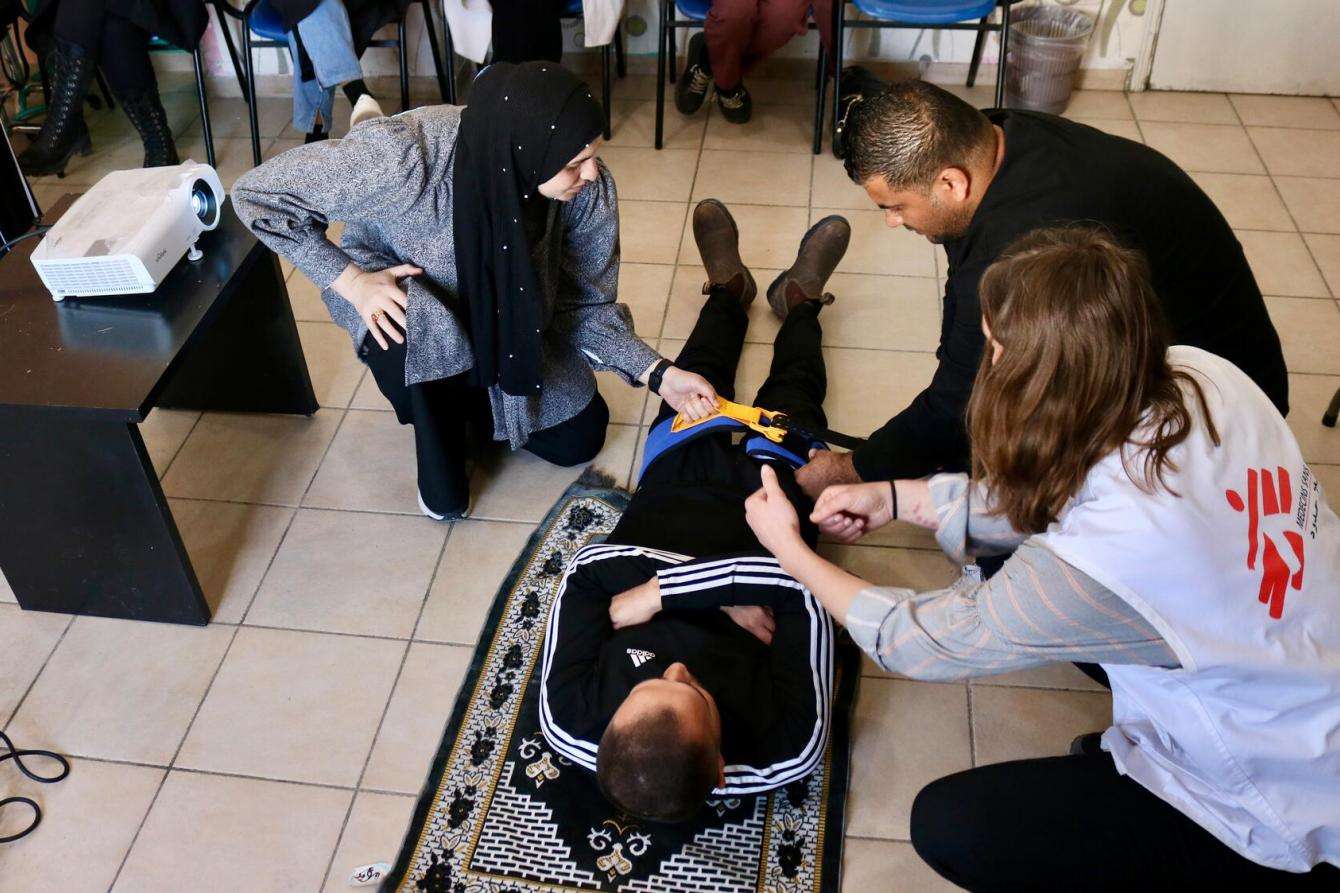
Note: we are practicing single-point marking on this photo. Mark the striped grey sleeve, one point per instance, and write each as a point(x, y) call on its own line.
point(1036, 610)
point(966, 527)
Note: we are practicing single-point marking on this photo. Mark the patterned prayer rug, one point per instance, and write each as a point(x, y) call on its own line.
point(501, 812)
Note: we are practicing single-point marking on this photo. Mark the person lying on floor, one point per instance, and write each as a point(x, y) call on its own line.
point(478, 269)
point(1164, 524)
point(644, 681)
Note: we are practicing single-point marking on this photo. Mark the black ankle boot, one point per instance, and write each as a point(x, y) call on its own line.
point(145, 111)
point(63, 132)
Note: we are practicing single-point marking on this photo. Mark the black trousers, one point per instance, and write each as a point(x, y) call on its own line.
point(691, 499)
point(119, 45)
point(445, 411)
point(1073, 823)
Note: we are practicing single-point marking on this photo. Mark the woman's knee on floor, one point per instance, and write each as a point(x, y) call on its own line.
point(576, 441)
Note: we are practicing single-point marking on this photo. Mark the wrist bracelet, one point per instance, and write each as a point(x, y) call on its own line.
point(657, 373)
point(893, 493)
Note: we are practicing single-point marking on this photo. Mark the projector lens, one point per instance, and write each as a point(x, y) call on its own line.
point(203, 203)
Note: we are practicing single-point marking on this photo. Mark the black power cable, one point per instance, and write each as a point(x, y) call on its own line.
point(17, 756)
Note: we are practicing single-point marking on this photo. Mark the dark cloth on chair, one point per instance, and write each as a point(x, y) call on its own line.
point(527, 30)
point(366, 17)
point(180, 22)
point(119, 44)
point(1057, 171)
point(1074, 823)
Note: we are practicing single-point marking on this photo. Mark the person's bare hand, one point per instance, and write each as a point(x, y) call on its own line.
point(378, 298)
point(754, 619)
point(846, 512)
point(691, 395)
point(825, 469)
point(636, 605)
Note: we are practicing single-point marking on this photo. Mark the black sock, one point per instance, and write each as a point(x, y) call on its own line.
point(355, 89)
point(317, 134)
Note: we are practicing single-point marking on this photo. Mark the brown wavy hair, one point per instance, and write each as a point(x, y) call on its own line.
point(1084, 365)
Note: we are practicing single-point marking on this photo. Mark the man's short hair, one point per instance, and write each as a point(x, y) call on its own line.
point(650, 769)
point(911, 132)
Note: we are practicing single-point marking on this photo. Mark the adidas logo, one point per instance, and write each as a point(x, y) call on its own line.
point(639, 656)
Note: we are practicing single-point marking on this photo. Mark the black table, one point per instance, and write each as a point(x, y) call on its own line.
point(84, 525)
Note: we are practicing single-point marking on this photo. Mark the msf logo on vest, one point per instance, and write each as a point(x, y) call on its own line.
point(1273, 531)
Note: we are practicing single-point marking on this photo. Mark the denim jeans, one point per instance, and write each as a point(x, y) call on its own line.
point(329, 42)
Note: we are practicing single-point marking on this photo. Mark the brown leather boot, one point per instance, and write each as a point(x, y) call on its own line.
point(820, 251)
point(718, 241)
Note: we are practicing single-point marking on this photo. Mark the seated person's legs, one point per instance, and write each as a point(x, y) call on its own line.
point(322, 46)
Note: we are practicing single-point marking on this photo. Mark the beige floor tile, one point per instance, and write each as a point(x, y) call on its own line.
point(1329, 475)
point(1313, 201)
point(768, 236)
point(757, 178)
point(883, 313)
point(307, 304)
point(868, 387)
point(907, 536)
point(1247, 201)
point(1314, 112)
point(120, 689)
point(1298, 153)
point(294, 705)
point(521, 487)
point(26, 640)
point(887, 866)
point(687, 299)
point(914, 568)
point(350, 572)
point(374, 832)
point(1019, 723)
point(982, 95)
point(1282, 264)
point(164, 431)
point(88, 822)
point(782, 91)
point(1308, 397)
point(232, 156)
point(231, 545)
point(830, 187)
point(1310, 331)
point(1098, 104)
point(875, 248)
point(1194, 108)
point(228, 118)
point(1204, 147)
point(369, 396)
point(331, 361)
point(905, 735)
point(774, 129)
point(371, 466)
point(474, 564)
point(1326, 251)
point(634, 124)
point(419, 710)
point(1122, 127)
point(1056, 675)
point(625, 402)
point(6, 591)
point(251, 458)
point(643, 87)
point(649, 175)
point(649, 232)
point(645, 288)
point(234, 833)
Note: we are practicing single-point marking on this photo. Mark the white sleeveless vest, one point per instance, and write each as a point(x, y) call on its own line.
point(1241, 576)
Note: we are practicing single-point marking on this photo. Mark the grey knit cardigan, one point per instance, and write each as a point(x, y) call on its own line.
point(390, 182)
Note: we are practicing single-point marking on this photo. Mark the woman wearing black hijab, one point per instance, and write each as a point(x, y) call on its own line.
point(477, 271)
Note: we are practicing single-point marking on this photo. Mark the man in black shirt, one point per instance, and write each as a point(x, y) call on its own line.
point(644, 680)
point(975, 182)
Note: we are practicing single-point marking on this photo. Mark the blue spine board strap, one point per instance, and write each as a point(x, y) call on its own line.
point(661, 438)
point(759, 446)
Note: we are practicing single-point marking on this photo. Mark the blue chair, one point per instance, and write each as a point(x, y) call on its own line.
point(262, 27)
point(572, 9)
point(949, 15)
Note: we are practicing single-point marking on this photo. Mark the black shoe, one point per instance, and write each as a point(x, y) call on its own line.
point(718, 241)
point(145, 111)
point(63, 132)
point(1089, 744)
point(316, 135)
point(691, 89)
point(737, 106)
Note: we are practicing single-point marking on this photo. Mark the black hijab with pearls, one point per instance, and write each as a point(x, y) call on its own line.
point(523, 125)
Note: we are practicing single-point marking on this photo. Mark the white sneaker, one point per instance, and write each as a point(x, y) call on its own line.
point(365, 108)
point(423, 507)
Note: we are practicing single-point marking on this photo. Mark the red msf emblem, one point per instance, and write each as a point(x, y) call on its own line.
point(1272, 497)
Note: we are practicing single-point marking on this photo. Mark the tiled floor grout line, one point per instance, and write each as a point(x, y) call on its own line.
point(18, 705)
point(180, 446)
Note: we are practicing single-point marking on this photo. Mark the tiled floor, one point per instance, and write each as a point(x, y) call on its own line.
point(283, 745)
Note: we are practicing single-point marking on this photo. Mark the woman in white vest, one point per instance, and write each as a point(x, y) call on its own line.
point(1162, 523)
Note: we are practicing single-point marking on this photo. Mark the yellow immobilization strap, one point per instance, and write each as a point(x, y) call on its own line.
point(764, 421)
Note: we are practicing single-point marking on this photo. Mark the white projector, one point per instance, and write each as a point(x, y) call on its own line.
point(126, 233)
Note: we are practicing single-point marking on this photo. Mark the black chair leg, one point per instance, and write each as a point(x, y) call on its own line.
point(232, 47)
point(104, 90)
point(672, 41)
point(1004, 54)
point(1332, 411)
point(621, 60)
point(204, 107)
point(839, 33)
point(977, 53)
point(403, 51)
point(605, 66)
point(662, 44)
point(251, 95)
point(820, 93)
point(448, 92)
